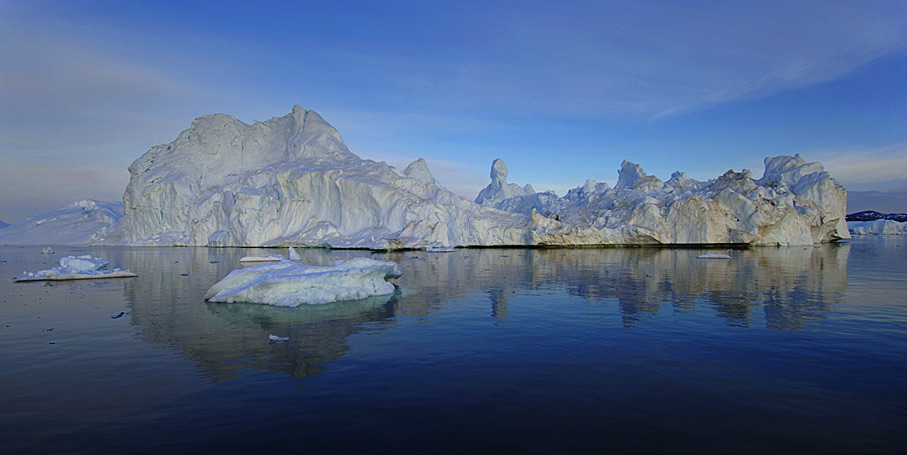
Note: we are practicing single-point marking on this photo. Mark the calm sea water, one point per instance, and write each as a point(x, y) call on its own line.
point(779, 350)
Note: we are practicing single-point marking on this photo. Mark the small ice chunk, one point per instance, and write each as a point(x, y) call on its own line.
point(274, 258)
point(83, 263)
point(118, 315)
point(277, 339)
point(713, 256)
point(76, 268)
point(439, 249)
point(294, 256)
point(47, 250)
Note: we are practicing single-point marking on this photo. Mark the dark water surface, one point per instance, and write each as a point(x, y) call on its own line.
point(779, 350)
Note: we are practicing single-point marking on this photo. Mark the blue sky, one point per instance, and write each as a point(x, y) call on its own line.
point(563, 92)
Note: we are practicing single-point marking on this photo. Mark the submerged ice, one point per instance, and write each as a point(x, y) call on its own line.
point(288, 283)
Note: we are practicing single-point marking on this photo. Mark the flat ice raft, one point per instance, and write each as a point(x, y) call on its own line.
point(287, 283)
point(76, 268)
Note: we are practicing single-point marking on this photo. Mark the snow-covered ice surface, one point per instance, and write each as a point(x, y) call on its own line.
point(76, 268)
point(291, 181)
point(86, 222)
point(291, 284)
point(877, 227)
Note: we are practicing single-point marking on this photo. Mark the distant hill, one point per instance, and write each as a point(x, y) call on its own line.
point(872, 215)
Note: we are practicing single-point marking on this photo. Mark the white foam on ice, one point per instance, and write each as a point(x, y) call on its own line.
point(288, 283)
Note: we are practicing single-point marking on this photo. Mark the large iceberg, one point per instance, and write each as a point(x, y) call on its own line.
point(288, 283)
point(86, 222)
point(291, 181)
point(794, 203)
point(877, 227)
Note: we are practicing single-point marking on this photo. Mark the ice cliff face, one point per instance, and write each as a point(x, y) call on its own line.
point(794, 203)
point(292, 181)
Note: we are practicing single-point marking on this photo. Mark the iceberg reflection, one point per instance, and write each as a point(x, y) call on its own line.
point(780, 288)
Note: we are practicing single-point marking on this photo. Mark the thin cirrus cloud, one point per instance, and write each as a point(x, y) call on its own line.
point(652, 61)
point(60, 90)
point(863, 168)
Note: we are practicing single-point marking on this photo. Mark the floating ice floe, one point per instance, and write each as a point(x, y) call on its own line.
point(47, 250)
point(713, 256)
point(287, 283)
point(439, 249)
point(274, 258)
point(277, 339)
point(294, 256)
point(76, 268)
point(877, 227)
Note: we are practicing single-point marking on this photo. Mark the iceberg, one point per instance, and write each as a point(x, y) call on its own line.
point(292, 182)
point(76, 268)
point(877, 227)
point(794, 203)
point(290, 284)
point(86, 222)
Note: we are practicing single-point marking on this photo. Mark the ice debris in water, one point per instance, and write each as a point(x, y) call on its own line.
point(288, 283)
point(277, 339)
point(294, 256)
point(713, 256)
point(76, 268)
point(274, 258)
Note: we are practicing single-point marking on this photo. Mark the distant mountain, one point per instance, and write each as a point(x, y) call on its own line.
point(888, 201)
point(872, 215)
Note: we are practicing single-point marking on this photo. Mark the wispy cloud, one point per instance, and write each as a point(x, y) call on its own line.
point(863, 168)
point(61, 89)
point(656, 59)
